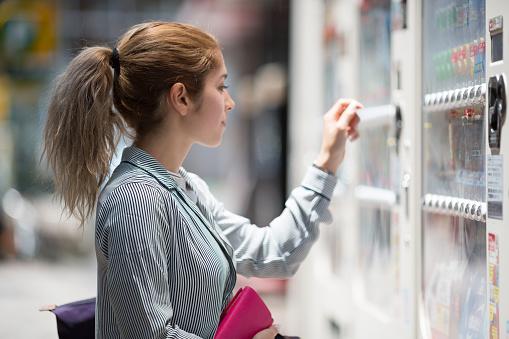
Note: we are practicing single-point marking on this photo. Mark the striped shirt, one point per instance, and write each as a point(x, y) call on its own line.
point(167, 264)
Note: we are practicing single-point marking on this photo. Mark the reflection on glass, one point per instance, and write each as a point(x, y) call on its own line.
point(453, 58)
point(454, 277)
point(454, 153)
point(378, 160)
point(332, 61)
point(454, 46)
point(375, 52)
point(331, 236)
point(378, 239)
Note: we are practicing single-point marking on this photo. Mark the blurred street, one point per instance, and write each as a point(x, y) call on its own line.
point(25, 286)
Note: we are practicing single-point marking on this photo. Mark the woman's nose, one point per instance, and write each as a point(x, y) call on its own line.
point(230, 104)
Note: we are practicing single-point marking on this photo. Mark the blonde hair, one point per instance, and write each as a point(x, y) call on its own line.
point(83, 128)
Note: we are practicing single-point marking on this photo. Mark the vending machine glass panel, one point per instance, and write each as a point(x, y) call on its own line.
point(379, 256)
point(454, 277)
point(453, 285)
point(375, 52)
point(379, 163)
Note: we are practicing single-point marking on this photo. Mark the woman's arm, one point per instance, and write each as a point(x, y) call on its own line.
point(277, 249)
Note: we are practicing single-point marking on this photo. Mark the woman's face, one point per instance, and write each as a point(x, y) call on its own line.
point(209, 116)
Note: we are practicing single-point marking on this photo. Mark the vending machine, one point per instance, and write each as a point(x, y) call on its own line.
point(387, 190)
point(422, 212)
point(465, 197)
point(359, 280)
point(324, 54)
point(376, 188)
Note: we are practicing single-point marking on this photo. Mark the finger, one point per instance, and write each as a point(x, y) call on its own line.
point(270, 330)
point(348, 116)
point(340, 106)
point(353, 135)
point(350, 102)
point(355, 121)
point(353, 124)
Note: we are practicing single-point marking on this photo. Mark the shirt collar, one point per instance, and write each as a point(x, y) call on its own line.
point(143, 160)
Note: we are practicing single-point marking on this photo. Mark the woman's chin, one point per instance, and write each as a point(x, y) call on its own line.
point(212, 143)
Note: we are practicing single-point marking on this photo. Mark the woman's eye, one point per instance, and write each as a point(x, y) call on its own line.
point(223, 87)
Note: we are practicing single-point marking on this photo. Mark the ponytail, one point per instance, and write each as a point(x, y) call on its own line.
point(81, 131)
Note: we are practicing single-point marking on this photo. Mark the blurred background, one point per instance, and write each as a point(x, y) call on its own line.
point(413, 249)
point(45, 258)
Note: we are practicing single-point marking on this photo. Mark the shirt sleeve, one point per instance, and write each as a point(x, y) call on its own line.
point(277, 249)
point(137, 266)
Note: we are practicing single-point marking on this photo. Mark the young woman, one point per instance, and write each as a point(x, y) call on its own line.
point(167, 250)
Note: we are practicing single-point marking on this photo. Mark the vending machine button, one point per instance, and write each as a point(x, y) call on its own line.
point(471, 92)
point(464, 94)
point(433, 99)
point(458, 95)
point(427, 201)
point(478, 212)
point(441, 203)
point(478, 92)
point(440, 98)
point(473, 208)
point(436, 203)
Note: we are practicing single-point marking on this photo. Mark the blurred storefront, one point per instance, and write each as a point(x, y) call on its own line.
point(38, 39)
point(248, 172)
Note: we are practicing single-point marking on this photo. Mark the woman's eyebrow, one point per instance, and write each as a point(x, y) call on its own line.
point(224, 76)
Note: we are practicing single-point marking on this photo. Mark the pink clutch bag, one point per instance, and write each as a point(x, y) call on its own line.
point(244, 316)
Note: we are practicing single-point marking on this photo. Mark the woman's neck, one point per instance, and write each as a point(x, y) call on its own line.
point(170, 148)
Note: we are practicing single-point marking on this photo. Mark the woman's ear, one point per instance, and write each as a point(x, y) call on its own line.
point(178, 98)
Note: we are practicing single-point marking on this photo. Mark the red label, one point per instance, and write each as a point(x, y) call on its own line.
point(469, 112)
point(464, 52)
point(491, 242)
point(454, 57)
